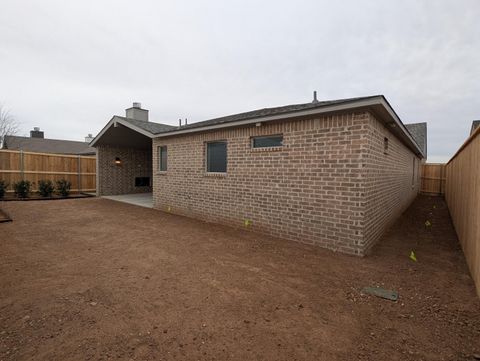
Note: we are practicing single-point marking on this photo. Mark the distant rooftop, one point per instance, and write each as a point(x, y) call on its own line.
point(42, 145)
point(475, 125)
point(419, 135)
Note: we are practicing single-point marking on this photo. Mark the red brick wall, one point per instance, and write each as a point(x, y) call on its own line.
point(120, 179)
point(311, 190)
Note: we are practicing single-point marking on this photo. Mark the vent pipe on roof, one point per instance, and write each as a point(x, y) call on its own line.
point(315, 100)
point(180, 122)
point(136, 112)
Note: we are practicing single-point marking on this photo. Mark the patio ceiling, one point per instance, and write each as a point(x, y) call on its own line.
point(119, 135)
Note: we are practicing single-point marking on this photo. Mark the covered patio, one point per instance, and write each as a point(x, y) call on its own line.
point(124, 156)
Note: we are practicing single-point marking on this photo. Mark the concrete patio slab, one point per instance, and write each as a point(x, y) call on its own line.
point(139, 199)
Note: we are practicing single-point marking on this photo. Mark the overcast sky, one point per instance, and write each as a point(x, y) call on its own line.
point(68, 66)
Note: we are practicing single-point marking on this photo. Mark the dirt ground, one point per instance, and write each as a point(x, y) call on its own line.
point(94, 279)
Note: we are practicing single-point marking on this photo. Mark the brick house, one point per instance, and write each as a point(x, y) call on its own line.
point(335, 173)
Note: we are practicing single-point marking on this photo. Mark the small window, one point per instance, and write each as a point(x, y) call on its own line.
point(385, 145)
point(162, 158)
point(268, 141)
point(217, 157)
point(142, 181)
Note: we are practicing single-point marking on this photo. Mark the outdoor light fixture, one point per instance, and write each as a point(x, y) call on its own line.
point(118, 161)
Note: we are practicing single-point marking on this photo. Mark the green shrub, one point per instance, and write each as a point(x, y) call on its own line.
point(45, 188)
point(3, 188)
point(22, 188)
point(63, 187)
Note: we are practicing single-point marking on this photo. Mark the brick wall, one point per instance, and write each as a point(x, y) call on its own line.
point(120, 179)
point(311, 190)
point(392, 181)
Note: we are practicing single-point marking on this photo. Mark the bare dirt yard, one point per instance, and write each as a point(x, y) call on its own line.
point(94, 279)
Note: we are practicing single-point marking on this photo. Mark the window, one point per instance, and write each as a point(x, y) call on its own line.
point(268, 141)
point(217, 157)
point(142, 181)
point(385, 145)
point(162, 158)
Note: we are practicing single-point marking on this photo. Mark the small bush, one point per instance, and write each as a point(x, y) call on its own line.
point(63, 187)
point(22, 188)
point(3, 188)
point(45, 188)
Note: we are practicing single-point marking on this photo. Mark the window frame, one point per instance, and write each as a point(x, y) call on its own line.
point(252, 141)
point(160, 150)
point(223, 141)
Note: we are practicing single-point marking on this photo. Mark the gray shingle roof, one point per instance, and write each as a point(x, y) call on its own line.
point(418, 132)
point(151, 127)
point(475, 125)
point(265, 112)
point(41, 145)
point(377, 103)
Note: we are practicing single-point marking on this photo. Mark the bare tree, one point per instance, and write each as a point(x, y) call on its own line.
point(8, 124)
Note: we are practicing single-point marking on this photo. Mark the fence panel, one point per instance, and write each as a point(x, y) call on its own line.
point(462, 194)
point(18, 165)
point(433, 178)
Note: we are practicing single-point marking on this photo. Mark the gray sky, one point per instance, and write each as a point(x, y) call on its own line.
point(68, 66)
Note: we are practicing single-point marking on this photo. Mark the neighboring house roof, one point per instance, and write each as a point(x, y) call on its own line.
point(377, 103)
point(475, 125)
point(419, 134)
point(42, 145)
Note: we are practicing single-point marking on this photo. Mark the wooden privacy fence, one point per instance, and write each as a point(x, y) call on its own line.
point(18, 165)
point(462, 194)
point(433, 178)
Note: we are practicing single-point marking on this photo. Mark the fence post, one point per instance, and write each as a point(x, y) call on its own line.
point(22, 165)
point(79, 177)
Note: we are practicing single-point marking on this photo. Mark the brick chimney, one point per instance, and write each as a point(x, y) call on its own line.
point(36, 133)
point(136, 112)
point(88, 138)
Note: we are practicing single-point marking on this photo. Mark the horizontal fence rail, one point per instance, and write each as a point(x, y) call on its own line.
point(433, 178)
point(80, 171)
point(462, 194)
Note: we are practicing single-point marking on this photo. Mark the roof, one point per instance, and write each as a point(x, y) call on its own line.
point(419, 134)
point(151, 127)
point(376, 103)
point(42, 145)
point(475, 125)
point(265, 112)
point(146, 128)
